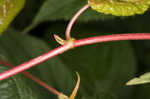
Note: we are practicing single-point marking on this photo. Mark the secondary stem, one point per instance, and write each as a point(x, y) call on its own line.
point(74, 18)
point(67, 46)
point(32, 77)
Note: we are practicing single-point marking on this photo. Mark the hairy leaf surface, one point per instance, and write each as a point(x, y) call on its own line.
point(120, 7)
point(8, 10)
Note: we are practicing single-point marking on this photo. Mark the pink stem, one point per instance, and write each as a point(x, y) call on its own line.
point(37, 80)
point(35, 61)
point(72, 21)
point(76, 43)
point(113, 37)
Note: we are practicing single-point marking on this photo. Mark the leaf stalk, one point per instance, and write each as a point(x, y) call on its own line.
point(74, 18)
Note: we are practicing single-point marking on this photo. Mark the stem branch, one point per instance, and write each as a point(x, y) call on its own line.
point(67, 46)
point(74, 18)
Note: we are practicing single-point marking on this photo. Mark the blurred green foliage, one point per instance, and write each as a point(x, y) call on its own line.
point(104, 68)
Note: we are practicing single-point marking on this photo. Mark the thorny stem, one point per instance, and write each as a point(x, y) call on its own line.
point(74, 18)
point(32, 77)
point(67, 46)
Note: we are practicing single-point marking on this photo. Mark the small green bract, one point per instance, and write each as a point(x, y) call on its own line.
point(120, 7)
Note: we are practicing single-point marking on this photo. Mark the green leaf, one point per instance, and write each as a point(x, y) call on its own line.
point(120, 7)
point(53, 10)
point(8, 10)
point(15, 88)
point(145, 78)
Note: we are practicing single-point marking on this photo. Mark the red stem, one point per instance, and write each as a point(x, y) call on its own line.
point(67, 46)
point(74, 18)
point(34, 61)
point(37, 80)
point(113, 37)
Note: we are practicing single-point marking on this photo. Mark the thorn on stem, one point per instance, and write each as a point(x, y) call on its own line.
point(62, 96)
point(62, 41)
point(59, 39)
point(76, 87)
